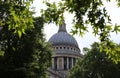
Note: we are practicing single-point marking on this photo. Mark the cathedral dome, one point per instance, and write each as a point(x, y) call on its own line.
point(63, 38)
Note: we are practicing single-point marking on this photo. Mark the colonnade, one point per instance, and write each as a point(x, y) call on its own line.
point(63, 63)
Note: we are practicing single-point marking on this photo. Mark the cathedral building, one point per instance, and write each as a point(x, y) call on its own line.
point(66, 50)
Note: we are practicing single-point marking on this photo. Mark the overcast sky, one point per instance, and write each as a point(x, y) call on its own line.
point(88, 38)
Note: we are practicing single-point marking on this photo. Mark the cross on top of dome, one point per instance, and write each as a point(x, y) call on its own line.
point(62, 27)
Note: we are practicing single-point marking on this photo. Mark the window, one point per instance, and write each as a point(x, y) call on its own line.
point(68, 48)
point(56, 47)
point(74, 49)
point(60, 47)
point(65, 63)
point(64, 47)
point(55, 63)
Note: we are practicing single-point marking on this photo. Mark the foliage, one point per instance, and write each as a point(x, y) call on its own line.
point(95, 64)
point(87, 13)
point(25, 57)
point(16, 14)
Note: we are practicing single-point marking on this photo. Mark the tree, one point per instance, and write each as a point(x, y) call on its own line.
point(95, 64)
point(25, 57)
point(16, 15)
point(87, 13)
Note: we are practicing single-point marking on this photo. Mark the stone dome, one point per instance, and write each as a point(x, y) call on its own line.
point(63, 38)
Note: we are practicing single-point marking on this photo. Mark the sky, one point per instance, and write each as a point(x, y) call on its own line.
point(88, 38)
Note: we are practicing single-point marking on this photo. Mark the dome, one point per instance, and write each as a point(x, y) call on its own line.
point(63, 38)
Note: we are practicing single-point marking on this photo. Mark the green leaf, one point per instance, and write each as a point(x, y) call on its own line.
point(19, 33)
point(117, 28)
point(2, 53)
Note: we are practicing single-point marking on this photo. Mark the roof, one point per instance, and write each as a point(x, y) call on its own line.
point(63, 38)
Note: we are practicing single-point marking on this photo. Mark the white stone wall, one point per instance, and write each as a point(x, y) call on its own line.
point(62, 52)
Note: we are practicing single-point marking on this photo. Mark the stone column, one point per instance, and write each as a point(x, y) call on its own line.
point(53, 66)
point(67, 63)
point(62, 63)
point(57, 63)
point(72, 62)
